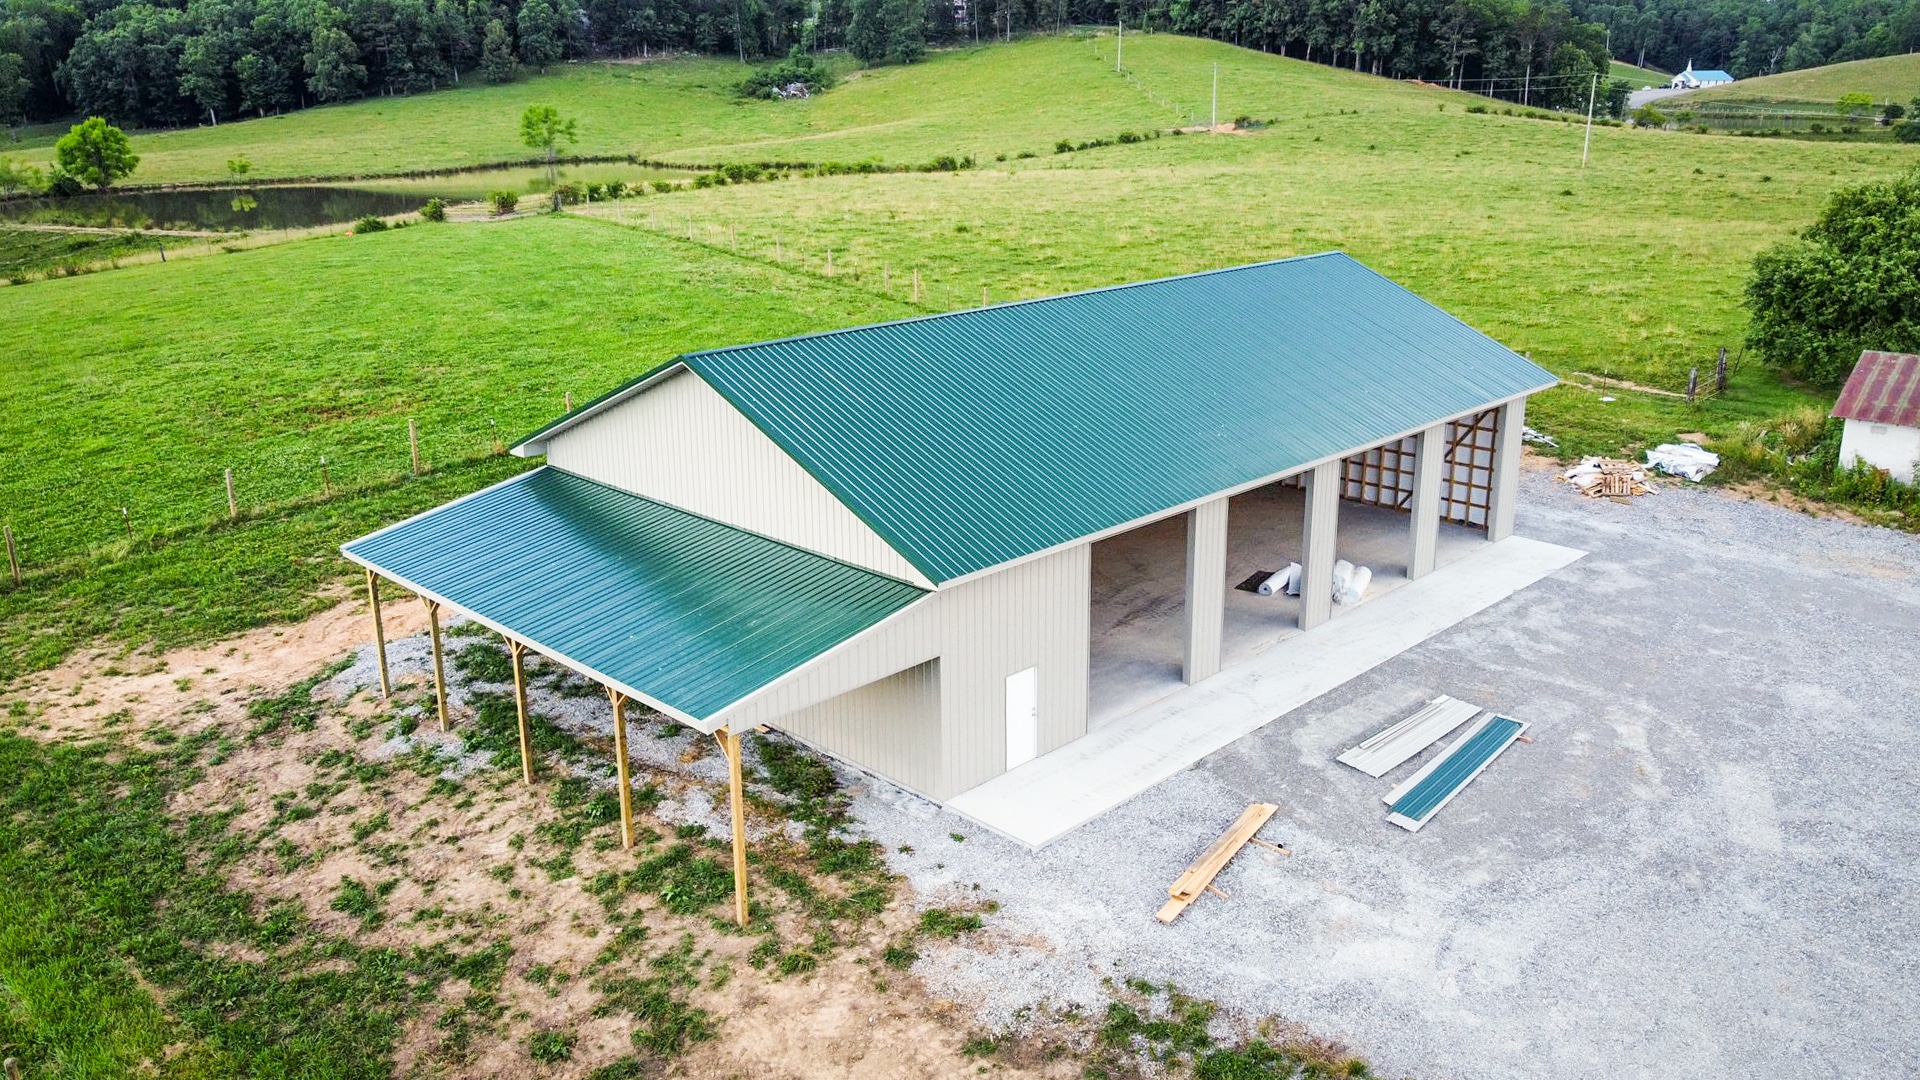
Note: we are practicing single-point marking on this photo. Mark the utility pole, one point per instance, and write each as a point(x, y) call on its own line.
point(1120, 43)
point(1588, 146)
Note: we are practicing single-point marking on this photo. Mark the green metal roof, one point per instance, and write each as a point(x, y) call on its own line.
point(976, 437)
point(677, 610)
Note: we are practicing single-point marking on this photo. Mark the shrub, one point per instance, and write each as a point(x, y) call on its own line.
point(435, 210)
point(1064, 146)
point(1817, 128)
point(503, 201)
point(664, 186)
point(570, 192)
point(1907, 131)
point(798, 69)
point(369, 223)
point(1846, 284)
point(1478, 109)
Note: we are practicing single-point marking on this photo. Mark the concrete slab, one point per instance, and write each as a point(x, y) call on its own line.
point(1139, 583)
point(1050, 796)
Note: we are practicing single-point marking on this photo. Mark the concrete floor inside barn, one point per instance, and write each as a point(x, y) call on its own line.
point(1140, 582)
point(1705, 865)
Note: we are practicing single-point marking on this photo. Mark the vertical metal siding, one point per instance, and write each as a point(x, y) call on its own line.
point(1317, 550)
point(890, 725)
point(683, 444)
point(1506, 470)
point(1206, 589)
point(1425, 539)
point(1034, 614)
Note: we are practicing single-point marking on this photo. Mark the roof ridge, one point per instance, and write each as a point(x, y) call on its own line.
point(1031, 300)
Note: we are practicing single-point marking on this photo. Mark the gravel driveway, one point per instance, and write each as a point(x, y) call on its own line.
point(1704, 866)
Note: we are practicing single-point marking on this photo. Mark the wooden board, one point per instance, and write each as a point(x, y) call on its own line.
point(1190, 884)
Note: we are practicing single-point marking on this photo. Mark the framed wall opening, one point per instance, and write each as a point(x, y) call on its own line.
point(1137, 618)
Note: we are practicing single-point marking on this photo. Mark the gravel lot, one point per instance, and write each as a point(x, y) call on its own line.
point(1703, 866)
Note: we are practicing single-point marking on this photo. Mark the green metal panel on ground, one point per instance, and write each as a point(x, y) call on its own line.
point(976, 437)
point(678, 609)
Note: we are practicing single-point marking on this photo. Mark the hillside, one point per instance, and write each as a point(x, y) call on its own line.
point(1888, 78)
point(979, 101)
point(1638, 77)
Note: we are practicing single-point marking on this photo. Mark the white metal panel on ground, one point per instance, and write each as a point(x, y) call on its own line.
point(1387, 748)
point(1053, 794)
point(683, 444)
point(1444, 761)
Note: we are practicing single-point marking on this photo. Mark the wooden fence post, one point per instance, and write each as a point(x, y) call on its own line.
point(1693, 382)
point(1720, 372)
point(13, 557)
point(326, 480)
point(126, 518)
point(413, 445)
point(233, 505)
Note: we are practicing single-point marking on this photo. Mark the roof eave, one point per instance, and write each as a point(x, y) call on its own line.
point(535, 444)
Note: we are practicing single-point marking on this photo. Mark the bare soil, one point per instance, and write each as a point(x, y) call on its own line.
point(460, 869)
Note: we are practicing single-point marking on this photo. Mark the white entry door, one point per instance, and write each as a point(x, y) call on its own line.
point(1023, 717)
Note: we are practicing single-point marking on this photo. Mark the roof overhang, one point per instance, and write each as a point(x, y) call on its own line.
point(683, 613)
point(535, 444)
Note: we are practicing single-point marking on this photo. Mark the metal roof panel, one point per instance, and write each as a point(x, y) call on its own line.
point(682, 610)
point(977, 437)
point(1883, 389)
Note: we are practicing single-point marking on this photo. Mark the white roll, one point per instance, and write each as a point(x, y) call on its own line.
point(1342, 573)
point(1282, 582)
point(1356, 586)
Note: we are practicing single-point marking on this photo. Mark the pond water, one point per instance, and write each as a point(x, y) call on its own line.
point(297, 206)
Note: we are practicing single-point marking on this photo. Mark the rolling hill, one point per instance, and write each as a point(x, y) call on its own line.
point(1887, 78)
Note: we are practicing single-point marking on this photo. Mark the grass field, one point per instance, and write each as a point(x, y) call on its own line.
point(24, 251)
point(1638, 76)
point(1886, 78)
point(973, 101)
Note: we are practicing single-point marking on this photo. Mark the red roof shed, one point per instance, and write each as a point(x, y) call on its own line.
point(1883, 389)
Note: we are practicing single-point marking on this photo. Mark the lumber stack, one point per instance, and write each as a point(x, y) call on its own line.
point(1198, 878)
point(1608, 478)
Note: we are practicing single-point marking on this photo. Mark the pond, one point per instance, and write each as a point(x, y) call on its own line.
point(298, 206)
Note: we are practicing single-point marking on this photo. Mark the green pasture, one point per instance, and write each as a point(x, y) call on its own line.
point(971, 101)
point(1638, 76)
point(1886, 78)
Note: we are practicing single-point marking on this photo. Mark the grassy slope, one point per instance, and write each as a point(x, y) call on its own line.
point(264, 361)
point(1596, 270)
point(1640, 77)
point(985, 100)
point(1887, 78)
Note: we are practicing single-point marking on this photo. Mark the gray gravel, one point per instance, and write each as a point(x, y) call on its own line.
point(1704, 866)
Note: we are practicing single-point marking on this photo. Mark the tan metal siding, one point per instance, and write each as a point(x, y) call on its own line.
point(1034, 614)
point(683, 444)
point(890, 725)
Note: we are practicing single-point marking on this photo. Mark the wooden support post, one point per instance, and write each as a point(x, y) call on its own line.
point(620, 766)
point(379, 633)
point(519, 652)
point(13, 557)
point(736, 790)
point(233, 505)
point(439, 663)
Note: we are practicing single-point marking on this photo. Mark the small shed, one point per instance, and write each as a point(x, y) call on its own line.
point(1881, 407)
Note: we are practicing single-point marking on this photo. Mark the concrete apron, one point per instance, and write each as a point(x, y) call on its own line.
point(1043, 800)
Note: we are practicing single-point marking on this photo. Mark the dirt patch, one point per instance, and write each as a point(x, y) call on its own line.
point(357, 814)
point(99, 690)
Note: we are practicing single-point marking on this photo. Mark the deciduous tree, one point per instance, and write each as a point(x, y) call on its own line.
point(95, 153)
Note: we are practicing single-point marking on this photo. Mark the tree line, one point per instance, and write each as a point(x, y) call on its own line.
point(1755, 37)
point(156, 63)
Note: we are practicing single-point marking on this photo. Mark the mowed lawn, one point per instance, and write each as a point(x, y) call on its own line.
point(136, 388)
point(979, 101)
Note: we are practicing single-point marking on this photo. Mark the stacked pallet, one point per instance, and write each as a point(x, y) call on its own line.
point(1608, 478)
